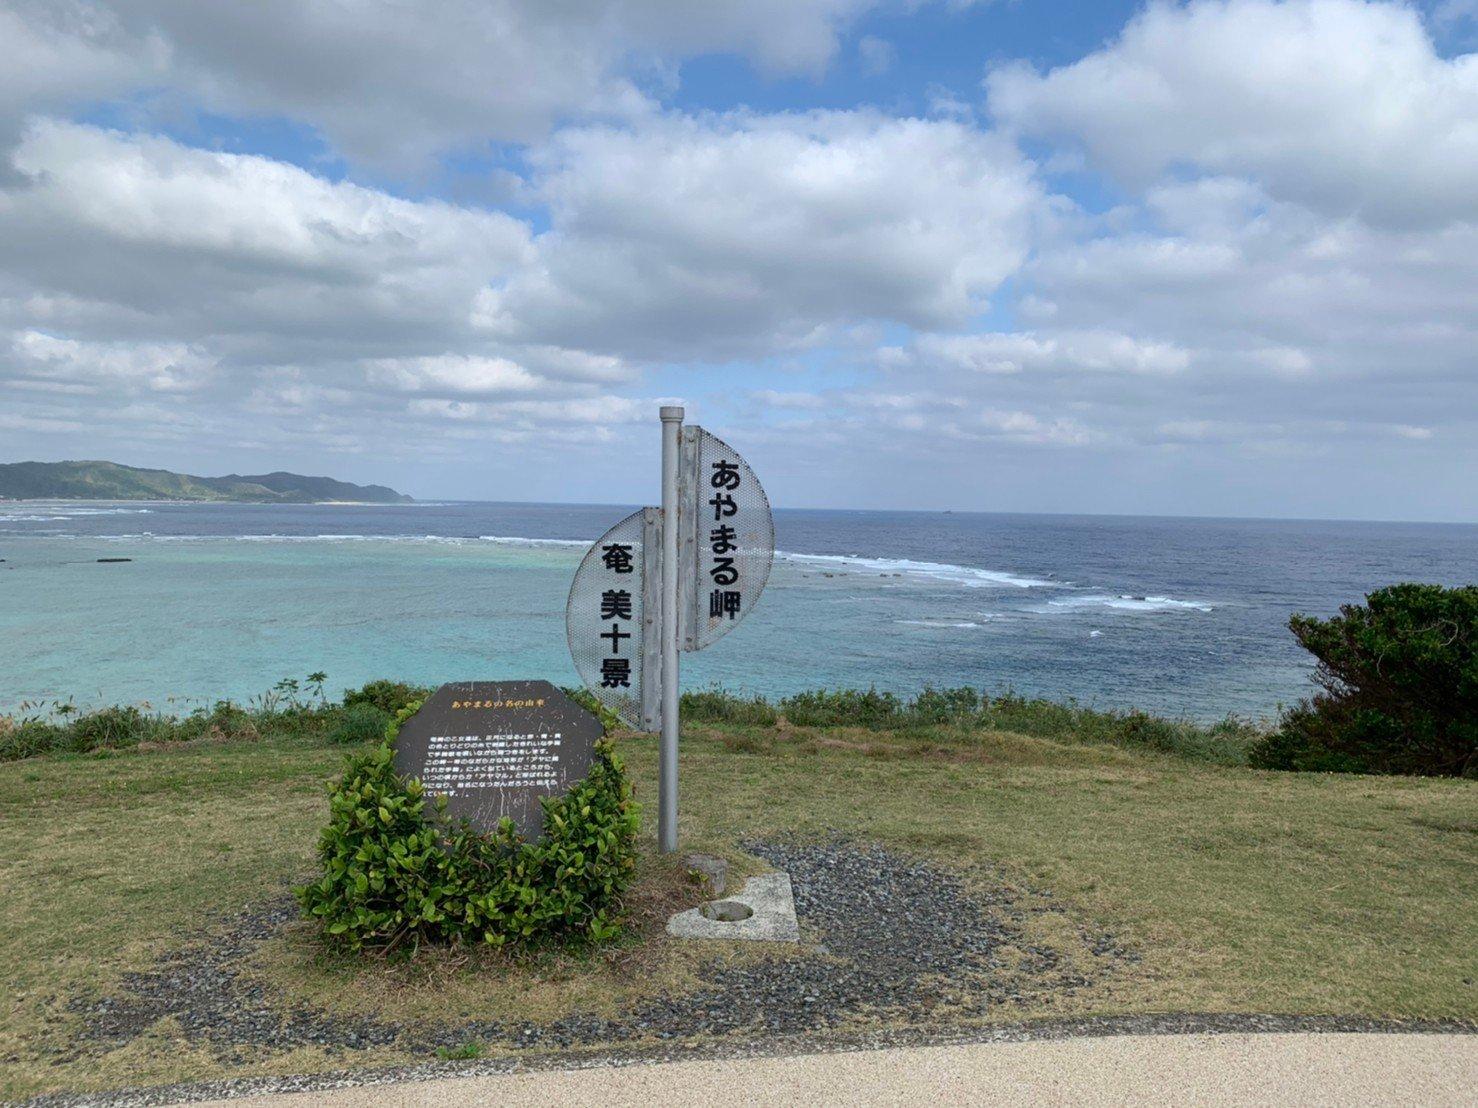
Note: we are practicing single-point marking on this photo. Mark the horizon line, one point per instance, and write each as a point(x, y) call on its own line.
point(433, 500)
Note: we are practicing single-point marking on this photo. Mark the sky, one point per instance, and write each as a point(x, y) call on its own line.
point(1205, 258)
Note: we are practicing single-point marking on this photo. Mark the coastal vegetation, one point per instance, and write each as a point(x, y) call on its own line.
point(954, 717)
point(1399, 678)
point(360, 724)
point(936, 720)
point(111, 481)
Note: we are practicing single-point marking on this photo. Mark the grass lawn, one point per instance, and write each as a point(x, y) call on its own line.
point(1238, 890)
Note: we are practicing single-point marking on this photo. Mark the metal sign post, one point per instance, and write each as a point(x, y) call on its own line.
point(672, 422)
point(660, 582)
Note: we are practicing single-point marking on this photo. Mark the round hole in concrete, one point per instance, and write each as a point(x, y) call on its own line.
point(726, 911)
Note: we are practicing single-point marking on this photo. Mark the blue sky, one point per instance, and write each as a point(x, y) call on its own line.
point(1213, 257)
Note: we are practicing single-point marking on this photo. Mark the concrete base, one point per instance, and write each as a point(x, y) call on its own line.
point(773, 921)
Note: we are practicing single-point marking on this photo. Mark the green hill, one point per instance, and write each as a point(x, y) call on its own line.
point(111, 481)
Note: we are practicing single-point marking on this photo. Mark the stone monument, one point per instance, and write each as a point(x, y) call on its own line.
point(494, 749)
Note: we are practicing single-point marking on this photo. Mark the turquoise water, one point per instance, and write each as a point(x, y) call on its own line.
point(227, 618)
point(1178, 616)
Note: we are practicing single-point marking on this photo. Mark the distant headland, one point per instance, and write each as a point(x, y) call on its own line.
point(111, 481)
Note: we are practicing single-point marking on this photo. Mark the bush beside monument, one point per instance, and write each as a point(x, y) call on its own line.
point(399, 873)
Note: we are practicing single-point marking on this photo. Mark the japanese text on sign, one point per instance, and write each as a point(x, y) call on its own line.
point(616, 609)
point(457, 764)
point(723, 542)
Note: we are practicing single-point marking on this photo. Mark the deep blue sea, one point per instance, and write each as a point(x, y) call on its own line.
point(1181, 616)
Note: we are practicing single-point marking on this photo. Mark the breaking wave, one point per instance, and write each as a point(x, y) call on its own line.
point(518, 540)
point(63, 511)
point(968, 576)
point(448, 540)
point(963, 623)
point(1126, 603)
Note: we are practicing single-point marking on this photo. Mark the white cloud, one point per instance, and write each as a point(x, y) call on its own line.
point(1286, 293)
point(63, 52)
point(542, 372)
point(46, 360)
point(393, 84)
point(1342, 105)
point(43, 425)
point(1290, 333)
point(454, 373)
point(1407, 431)
point(249, 290)
point(1047, 352)
point(1288, 361)
point(1025, 427)
point(734, 235)
point(592, 412)
point(204, 243)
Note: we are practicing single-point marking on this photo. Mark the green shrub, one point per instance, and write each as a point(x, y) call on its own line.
point(397, 873)
point(360, 723)
point(388, 696)
point(112, 729)
point(1136, 728)
point(1306, 740)
point(1400, 687)
point(25, 738)
point(223, 720)
point(945, 705)
point(109, 728)
point(1010, 711)
point(842, 708)
point(1225, 742)
point(714, 705)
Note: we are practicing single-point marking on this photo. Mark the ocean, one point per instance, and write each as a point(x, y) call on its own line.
point(1185, 617)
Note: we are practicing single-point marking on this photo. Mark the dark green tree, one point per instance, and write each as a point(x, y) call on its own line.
point(1399, 681)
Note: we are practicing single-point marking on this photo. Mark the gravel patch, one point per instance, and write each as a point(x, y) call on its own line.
point(886, 938)
point(201, 988)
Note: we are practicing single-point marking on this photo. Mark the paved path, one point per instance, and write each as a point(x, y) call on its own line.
point(1301, 1069)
